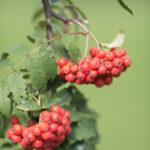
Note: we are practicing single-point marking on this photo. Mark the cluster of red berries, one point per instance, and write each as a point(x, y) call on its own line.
point(99, 68)
point(48, 134)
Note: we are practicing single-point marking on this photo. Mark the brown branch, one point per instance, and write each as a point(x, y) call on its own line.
point(48, 15)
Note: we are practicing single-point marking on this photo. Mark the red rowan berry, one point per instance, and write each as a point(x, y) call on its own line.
point(45, 116)
point(108, 65)
point(85, 68)
point(16, 139)
point(108, 80)
point(66, 69)
point(74, 68)
point(117, 62)
point(115, 71)
point(61, 62)
point(38, 144)
point(44, 127)
point(9, 133)
point(101, 54)
point(99, 82)
point(14, 120)
point(80, 76)
point(94, 51)
point(127, 62)
point(93, 73)
point(36, 130)
point(109, 56)
point(53, 127)
point(95, 63)
point(17, 129)
point(102, 70)
point(70, 77)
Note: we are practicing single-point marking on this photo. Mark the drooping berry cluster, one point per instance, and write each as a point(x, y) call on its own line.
point(48, 134)
point(99, 68)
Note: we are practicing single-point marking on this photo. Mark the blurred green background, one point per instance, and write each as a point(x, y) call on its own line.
point(123, 107)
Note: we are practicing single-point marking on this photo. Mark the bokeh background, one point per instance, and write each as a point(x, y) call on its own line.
point(123, 107)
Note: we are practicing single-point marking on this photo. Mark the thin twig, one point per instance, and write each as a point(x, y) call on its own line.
point(48, 15)
point(68, 20)
point(86, 49)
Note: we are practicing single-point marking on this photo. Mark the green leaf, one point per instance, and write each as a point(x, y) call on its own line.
point(36, 73)
point(5, 102)
point(85, 130)
point(79, 116)
point(126, 7)
point(42, 67)
point(4, 69)
point(29, 105)
point(71, 46)
point(39, 32)
point(17, 86)
point(37, 13)
point(48, 62)
point(17, 55)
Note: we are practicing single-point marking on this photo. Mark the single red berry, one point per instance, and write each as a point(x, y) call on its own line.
point(95, 63)
point(74, 68)
point(89, 79)
point(44, 127)
point(17, 129)
point(16, 139)
point(70, 77)
point(99, 82)
point(127, 62)
point(61, 62)
point(56, 109)
point(45, 116)
point(53, 127)
point(9, 133)
point(85, 68)
point(119, 52)
point(108, 80)
point(108, 65)
point(102, 70)
point(25, 142)
point(109, 56)
point(93, 73)
point(80, 76)
point(14, 120)
point(60, 130)
point(115, 71)
point(87, 60)
point(65, 121)
point(94, 51)
point(38, 144)
point(55, 118)
point(36, 130)
point(31, 137)
point(46, 135)
point(69, 63)
point(117, 62)
point(66, 69)
point(101, 54)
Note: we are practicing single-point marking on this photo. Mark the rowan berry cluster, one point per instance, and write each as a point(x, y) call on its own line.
point(99, 68)
point(48, 134)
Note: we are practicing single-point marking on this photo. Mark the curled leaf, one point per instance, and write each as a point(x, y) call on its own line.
point(117, 42)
